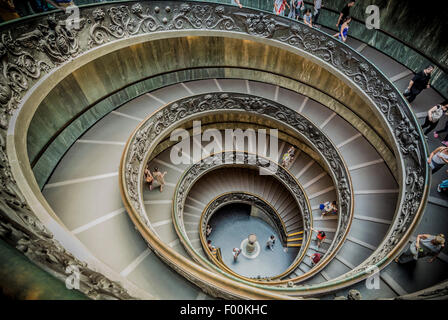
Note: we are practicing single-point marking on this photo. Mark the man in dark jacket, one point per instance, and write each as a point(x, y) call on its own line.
point(419, 82)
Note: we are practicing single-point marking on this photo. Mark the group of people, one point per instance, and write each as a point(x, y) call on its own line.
point(154, 179)
point(320, 238)
point(344, 20)
point(211, 247)
point(235, 251)
point(425, 244)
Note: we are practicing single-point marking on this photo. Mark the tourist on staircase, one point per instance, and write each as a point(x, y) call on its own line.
point(208, 230)
point(342, 34)
point(320, 236)
point(345, 12)
point(443, 186)
point(315, 258)
point(317, 7)
point(236, 3)
point(438, 132)
point(211, 247)
point(148, 177)
point(288, 157)
point(280, 6)
point(307, 18)
point(295, 9)
point(425, 245)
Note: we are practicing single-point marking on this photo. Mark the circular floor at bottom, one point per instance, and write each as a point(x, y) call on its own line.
point(231, 225)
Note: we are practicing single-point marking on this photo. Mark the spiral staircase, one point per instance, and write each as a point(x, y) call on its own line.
point(79, 198)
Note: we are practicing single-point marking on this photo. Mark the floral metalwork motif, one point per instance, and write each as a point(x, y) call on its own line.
point(36, 46)
point(21, 229)
point(54, 38)
point(125, 21)
point(24, 59)
point(437, 292)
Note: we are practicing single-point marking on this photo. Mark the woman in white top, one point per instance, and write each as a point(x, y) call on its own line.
point(434, 115)
point(438, 158)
